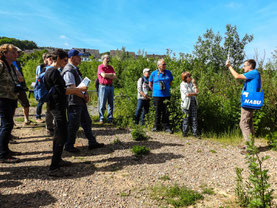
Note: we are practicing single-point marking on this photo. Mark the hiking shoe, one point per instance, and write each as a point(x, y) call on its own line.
point(154, 129)
point(64, 163)
point(28, 122)
point(167, 130)
point(58, 173)
point(95, 146)
point(72, 149)
point(39, 120)
point(9, 159)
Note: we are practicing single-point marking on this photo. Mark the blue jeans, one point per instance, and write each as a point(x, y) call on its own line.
point(78, 115)
point(7, 109)
point(105, 93)
point(142, 110)
point(38, 111)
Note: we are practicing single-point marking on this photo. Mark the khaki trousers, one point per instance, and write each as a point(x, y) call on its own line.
point(246, 123)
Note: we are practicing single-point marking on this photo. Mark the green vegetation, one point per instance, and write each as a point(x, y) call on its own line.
point(117, 141)
point(213, 151)
point(138, 134)
point(22, 44)
point(272, 140)
point(176, 196)
point(140, 150)
point(255, 192)
point(207, 190)
point(165, 178)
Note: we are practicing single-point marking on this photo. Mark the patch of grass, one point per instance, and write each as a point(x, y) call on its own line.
point(213, 151)
point(164, 178)
point(176, 196)
point(207, 190)
point(232, 137)
point(140, 150)
point(138, 134)
point(117, 141)
point(198, 151)
point(124, 194)
point(20, 119)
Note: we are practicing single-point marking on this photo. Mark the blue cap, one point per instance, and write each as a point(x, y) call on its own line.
point(74, 52)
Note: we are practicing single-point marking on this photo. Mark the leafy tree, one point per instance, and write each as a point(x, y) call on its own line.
point(210, 50)
point(22, 44)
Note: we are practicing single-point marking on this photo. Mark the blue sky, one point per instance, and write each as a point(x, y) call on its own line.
point(137, 24)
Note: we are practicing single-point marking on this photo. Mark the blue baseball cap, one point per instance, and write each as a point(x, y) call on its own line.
point(74, 52)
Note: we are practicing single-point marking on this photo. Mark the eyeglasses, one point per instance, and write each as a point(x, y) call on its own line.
point(163, 64)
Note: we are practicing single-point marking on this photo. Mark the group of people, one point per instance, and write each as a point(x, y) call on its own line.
point(67, 104)
point(160, 81)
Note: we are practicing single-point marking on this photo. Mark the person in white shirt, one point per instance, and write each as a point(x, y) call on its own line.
point(189, 91)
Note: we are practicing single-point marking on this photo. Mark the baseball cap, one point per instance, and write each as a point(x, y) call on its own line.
point(74, 52)
point(146, 70)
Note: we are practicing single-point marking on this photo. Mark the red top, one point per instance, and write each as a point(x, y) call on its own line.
point(106, 69)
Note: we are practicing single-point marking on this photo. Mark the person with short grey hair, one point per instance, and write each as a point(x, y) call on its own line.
point(160, 82)
point(143, 97)
point(106, 75)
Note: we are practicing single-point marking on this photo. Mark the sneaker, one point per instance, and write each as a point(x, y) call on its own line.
point(58, 173)
point(9, 159)
point(72, 149)
point(197, 136)
point(96, 145)
point(39, 120)
point(154, 129)
point(64, 163)
point(28, 122)
point(167, 130)
point(110, 121)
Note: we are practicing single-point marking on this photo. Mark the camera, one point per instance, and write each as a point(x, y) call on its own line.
point(162, 85)
point(19, 88)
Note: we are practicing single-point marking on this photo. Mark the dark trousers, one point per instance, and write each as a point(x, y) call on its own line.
point(60, 135)
point(142, 110)
point(78, 115)
point(190, 116)
point(162, 112)
point(7, 109)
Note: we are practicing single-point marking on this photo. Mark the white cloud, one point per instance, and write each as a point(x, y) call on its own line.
point(233, 5)
point(63, 37)
point(66, 44)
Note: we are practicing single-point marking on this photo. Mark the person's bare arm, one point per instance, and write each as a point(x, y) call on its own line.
point(73, 90)
point(233, 72)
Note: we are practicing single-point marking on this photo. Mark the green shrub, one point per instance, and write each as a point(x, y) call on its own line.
point(140, 150)
point(255, 192)
point(138, 134)
point(272, 140)
point(176, 196)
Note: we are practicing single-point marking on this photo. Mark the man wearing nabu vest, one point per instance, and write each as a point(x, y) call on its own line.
point(77, 111)
point(249, 99)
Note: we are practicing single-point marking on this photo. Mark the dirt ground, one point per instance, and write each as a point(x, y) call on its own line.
point(113, 177)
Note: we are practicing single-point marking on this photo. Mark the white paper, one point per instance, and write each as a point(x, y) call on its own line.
point(85, 82)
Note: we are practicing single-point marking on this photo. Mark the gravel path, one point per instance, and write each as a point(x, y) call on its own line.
point(113, 177)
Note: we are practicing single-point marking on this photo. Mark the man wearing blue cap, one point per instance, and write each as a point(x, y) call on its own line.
point(77, 111)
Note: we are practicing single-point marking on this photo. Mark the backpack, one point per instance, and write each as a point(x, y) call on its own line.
point(42, 94)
